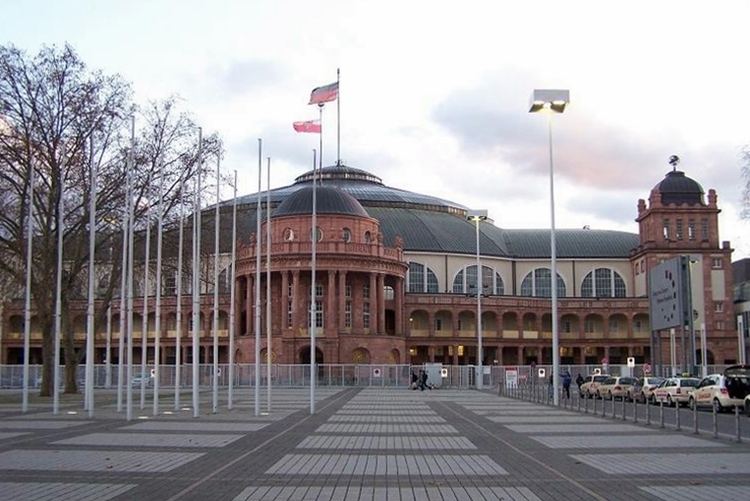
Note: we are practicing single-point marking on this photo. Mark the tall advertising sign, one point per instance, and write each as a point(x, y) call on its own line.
point(666, 295)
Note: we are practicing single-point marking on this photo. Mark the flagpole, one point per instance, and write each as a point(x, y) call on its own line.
point(268, 284)
point(215, 379)
point(27, 302)
point(338, 117)
point(131, 232)
point(157, 306)
point(320, 138)
point(314, 238)
point(231, 296)
point(144, 318)
point(196, 279)
point(178, 292)
point(123, 289)
point(58, 288)
point(89, 380)
point(258, 242)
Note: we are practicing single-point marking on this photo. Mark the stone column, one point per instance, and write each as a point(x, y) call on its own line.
point(284, 301)
point(342, 300)
point(381, 303)
point(330, 324)
point(373, 304)
point(398, 293)
point(296, 303)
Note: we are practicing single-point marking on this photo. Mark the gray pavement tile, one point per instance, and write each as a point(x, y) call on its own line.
point(699, 492)
point(53, 491)
point(183, 426)
point(623, 442)
point(412, 429)
point(150, 440)
point(579, 428)
point(385, 442)
point(668, 463)
point(40, 424)
point(94, 460)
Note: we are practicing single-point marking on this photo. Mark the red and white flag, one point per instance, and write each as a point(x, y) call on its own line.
point(307, 126)
point(325, 93)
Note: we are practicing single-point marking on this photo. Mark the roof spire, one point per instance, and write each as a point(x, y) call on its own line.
point(673, 161)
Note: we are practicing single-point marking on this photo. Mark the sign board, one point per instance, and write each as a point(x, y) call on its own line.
point(541, 372)
point(665, 292)
point(646, 368)
point(443, 372)
point(486, 369)
point(376, 372)
point(511, 378)
point(597, 372)
point(631, 362)
point(434, 374)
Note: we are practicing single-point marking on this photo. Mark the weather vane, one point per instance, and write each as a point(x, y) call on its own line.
point(673, 161)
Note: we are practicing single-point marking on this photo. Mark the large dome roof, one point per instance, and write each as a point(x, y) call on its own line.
point(426, 223)
point(328, 200)
point(677, 188)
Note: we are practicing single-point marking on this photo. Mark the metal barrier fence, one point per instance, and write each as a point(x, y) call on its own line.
point(296, 375)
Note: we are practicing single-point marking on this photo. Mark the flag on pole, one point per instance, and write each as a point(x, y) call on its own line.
point(307, 126)
point(324, 94)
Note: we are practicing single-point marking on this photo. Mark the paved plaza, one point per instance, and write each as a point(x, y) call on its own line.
point(362, 443)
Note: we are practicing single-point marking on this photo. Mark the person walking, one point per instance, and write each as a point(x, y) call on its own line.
point(423, 380)
point(566, 380)
point(414, 380)
point(579, 381)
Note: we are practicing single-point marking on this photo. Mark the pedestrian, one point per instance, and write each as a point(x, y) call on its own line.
point(423, 380)
point(414, 379)
point(566, 379)
point(579, 381)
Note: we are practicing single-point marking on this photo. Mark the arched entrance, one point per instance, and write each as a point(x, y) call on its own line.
point(304, 355)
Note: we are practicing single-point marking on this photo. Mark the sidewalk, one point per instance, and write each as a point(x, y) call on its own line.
point(364, 444)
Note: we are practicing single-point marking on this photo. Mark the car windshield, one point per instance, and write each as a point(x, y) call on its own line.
point(655, 380)
point(627, 380)
point(599, 379)
point(689, 382)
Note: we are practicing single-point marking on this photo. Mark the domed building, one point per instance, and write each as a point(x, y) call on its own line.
point(396, 282)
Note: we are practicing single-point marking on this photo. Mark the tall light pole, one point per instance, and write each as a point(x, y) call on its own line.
point(477, 216)
point(552, 101)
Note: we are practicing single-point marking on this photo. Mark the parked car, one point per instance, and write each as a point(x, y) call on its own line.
point(675, 390)
point(642, 390)
point(747, 405)
point(136, 381)
point(723, 391)
point(615, 387)
point(590, 383)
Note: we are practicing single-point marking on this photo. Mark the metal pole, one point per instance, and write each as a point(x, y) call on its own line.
point(89, 379)
point(144, 319)
point(123, 288)
point(677, 415)
point(108, 347)
point(704, 353)
point(131, 232)
point(553, 271)
point(269, 351)
point(695, 418)
point(58, 287)
point(215, 378)
point(737, 422)
point(27, 294)
point(157, 306)
point(673, 351)
point(480, 375)
point(178, 292)
point(338, 118)
point(196, 277)
point(258, 246)
point(314, 238)
point(715, 421)
point(231, 296)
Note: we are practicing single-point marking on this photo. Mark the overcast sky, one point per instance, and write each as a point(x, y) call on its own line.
point(434, 95)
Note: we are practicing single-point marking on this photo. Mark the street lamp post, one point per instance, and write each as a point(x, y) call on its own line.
point(552, 101)
point(477, 216)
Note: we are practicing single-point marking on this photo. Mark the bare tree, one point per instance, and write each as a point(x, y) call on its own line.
point(52, 110)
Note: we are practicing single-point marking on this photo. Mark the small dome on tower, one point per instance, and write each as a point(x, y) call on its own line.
point(329, 200)
point(677, 188)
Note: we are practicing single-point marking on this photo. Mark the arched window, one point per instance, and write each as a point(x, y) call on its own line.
point(346, 235)
point(465, 281)
point(603, 282)
point(538, 283)
point(421, 278)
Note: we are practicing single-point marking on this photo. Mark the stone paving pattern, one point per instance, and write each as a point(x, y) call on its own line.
point(362, 443)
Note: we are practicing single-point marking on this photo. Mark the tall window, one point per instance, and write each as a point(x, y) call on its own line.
point(466, 281)
point(318, 314)
point(603, 282)
point(348, 314)
point(289, 313)
point(538, 283)
point(366, 315)
point(421, 278)
point(366, 290)
point(704, 228)
point(678, 229)
point(691, 229)
point(665, 229)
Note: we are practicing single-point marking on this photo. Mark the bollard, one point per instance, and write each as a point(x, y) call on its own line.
point(648, 413)
point(614, 414)
point(677, 416)
point(593, 400)
point(661, 414)
point(635, 410)
point(585, 405)
point(578, 403)
point(695, 418)
point(737, 422)
point(604, 408)
point(715, 422)
point(623, 408)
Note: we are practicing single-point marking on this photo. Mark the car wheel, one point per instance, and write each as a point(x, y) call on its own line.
point(717, 405)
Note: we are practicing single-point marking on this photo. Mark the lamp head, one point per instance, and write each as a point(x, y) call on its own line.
point(476, 215)
point(552, 99)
